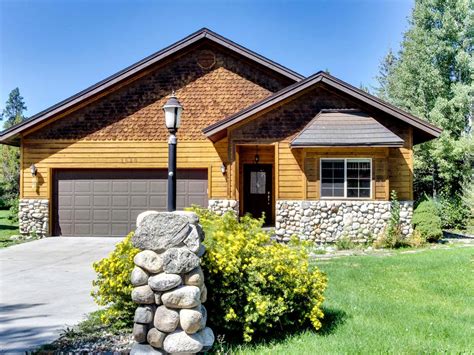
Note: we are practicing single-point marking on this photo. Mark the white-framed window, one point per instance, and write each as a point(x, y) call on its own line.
point(346, 178)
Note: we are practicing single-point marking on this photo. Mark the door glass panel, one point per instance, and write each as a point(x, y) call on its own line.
point(257, 182)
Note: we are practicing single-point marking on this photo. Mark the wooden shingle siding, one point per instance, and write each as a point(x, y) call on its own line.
point(134, 112)
point(51, 154)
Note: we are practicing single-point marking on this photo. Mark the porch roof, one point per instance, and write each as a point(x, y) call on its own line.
point(345, 128)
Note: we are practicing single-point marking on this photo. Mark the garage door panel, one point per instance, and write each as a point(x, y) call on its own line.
point(82, 229)
point(136, 201)
point(82, 186)
point(101, 229)
point(106, 202)
point(158, 187)
point(101, 186)
point(82, 215)
point(101, 201)
point(120, 200)
point(83, 201)
point(101, 215)
point(139, 186)
point(120, 186)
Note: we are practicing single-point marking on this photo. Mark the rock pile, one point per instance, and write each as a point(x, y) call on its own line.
point(169, 285)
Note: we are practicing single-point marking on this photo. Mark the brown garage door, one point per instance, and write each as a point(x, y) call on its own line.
point(107, 202)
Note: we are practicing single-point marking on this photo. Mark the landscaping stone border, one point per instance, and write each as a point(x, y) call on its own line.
point(326, 221)
point(33, 217)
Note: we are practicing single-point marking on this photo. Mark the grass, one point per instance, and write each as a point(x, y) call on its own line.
point(406, 303)
point(7, 229)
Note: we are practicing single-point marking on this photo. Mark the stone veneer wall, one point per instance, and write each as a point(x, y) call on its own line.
point(326, 221)
point(169, 285)
point(223, 206)
point(33, 216)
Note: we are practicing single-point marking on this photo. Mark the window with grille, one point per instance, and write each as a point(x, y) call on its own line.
point(346, 178)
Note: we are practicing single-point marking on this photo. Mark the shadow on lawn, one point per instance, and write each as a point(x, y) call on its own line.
point(7, 227)
point(333, 319)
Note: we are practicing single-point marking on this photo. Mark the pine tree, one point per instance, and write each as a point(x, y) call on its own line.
point(432, 77)
point(12, 114)
point(14, 109)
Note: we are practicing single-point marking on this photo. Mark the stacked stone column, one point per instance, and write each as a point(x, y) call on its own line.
point(169, 285)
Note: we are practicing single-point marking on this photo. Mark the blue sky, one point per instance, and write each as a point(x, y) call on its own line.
point(52, 49)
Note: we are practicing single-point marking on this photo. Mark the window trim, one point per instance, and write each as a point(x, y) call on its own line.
point(345, 179)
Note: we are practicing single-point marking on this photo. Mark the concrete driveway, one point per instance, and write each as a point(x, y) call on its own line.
point(45, 285)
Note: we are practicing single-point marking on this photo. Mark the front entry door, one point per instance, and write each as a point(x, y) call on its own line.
point(258, 190)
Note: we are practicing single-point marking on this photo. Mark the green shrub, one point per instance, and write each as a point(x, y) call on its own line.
point(453, 211)
point(392, 236)
point(113, 287)
point(427, 221)
point(257, 286)
point(14, 209)
point(345, 243)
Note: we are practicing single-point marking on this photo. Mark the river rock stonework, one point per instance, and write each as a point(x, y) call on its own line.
point(222, 206)
point(33, 217)
point(169, 285)
point(326, 221)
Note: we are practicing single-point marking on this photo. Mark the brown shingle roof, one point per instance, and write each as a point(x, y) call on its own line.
point(345, 128)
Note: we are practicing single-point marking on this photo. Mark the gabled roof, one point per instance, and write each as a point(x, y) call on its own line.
point(427, 131)
point(10, 134)
point(345, 128)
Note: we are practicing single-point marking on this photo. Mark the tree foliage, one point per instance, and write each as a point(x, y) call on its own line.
point(12, 114)
point(432, 77)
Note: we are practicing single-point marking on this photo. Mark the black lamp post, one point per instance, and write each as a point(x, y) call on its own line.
point(172, 110)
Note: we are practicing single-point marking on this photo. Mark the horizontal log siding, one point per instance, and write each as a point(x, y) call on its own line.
point(290, 172)
point(51, 154)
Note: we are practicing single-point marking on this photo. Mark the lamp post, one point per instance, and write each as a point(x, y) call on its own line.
point(172, 110)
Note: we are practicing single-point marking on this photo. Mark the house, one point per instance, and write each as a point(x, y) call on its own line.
point(316, 155)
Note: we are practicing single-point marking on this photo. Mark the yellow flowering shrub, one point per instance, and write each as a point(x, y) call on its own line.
point(113, 286)
point(257, 286)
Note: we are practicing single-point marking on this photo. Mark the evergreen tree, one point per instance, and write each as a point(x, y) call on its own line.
point(14, 109)
point(432, 77)
point(12, 114)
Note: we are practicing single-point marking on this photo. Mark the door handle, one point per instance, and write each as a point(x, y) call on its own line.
point(269, 198)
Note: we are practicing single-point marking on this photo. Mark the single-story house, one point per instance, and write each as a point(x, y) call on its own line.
point(317, 156)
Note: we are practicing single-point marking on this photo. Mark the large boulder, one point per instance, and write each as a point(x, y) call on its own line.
point(139, 277)
point(143, 295)
point(179, 261)
point(164, 282)
point(142, 216)
point(145, 349)
point(194, 278)
point(139, 332)
point(144, 314)
point(155, 338)
point(182, 297)
point(193, 239)
point(190, 319)
point(161, 231)
point(207, 338)
point(180, 342)
point(149, 260)
point(192, 217)
point(166, 319)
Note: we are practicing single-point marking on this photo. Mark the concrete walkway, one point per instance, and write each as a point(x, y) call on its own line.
point(45, 285)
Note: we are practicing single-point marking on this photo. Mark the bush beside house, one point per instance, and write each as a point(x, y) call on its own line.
point(256, 286)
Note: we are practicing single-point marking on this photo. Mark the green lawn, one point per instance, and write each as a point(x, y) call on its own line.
point(7, 229)
point(407, 303)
